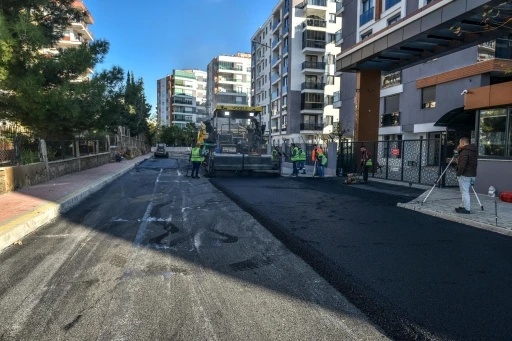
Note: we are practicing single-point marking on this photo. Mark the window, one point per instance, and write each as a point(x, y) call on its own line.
point(428, 97)
point(494, 135)
point(285, 80)
point(331, 59)
point(366, 6)
point(366, 34)
point(331, 38)
point(328, 120)
point(332, 18)
point(393, 20)
point(285, 61)
point(391, 104)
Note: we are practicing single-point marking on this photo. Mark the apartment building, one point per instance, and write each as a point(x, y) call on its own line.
point(181, 98)
point(450, 95)
point(298, 44)
point(76, 34)
point(229, 80)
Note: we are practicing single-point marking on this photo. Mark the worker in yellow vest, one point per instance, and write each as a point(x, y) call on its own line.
point(322, 160)
point(196, 157)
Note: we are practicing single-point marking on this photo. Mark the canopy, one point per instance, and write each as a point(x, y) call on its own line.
point(457, 119)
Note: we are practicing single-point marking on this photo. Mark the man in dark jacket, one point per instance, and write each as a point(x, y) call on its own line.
point(466, 172)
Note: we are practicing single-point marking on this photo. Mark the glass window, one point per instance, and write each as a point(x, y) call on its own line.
point(366, 34)
point(428, 96)
point(393, 20)
point(391, 104)
point(492, 137)
point(332, 18)
point(510, 134)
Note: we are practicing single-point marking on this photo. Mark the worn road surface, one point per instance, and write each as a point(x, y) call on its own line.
point(416, 276)
point(160, 256)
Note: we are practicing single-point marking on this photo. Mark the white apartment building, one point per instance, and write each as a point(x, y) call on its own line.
point(302, 69)
point(78, 33)
point(181, 98)
point(229, 80)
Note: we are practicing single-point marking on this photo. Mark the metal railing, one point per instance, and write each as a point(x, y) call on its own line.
point(312, 86)
point(313, 65)
point(314, 23)
point(312, 106)
point(338, 36)
point(276, 24)
point(336, 96)
point(391, 3)
point(366, 17)
point(311, 126)
point(339, 5)
point(315, 44)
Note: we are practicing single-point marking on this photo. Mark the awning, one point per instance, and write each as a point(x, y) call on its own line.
point(457, 119)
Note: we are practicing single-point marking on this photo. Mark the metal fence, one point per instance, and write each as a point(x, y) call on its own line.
point(413, 161)
point(19, 150)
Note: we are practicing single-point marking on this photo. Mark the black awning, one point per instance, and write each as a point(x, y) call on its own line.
point(457, 119)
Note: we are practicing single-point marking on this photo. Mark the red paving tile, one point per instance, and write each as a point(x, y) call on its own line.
point(28, 199)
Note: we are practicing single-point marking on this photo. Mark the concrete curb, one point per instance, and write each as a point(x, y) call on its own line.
point(15, 230)
point(457, 219)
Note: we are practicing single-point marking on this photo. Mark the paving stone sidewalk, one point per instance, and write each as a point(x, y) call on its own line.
point(25, 210)
point(442, 202)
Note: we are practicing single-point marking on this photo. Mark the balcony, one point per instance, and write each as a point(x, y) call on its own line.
point(328, 100)
point(285, 70)
point(285, 50)
point(312, 106)
point(183, 101)
point(275, 42)
point(312, 86)
point(314, 23)
point(286, 29)
point(275, 60)
point(182, 118)
point(336, 100)
point(283, 127)
point(183, 110)
point(232, 68)
point(81, 27)
point(275, 78)
point(276, 24)
point(284, 89)
point(339, 8)
point(495, 49)
point(311, 126)
point(275, 95)
point(390, 120)
point(313, 44)
point(366, 17)
point(391, 3)
point(338, 38)
point(275, 112)
point(306, 3)
point(227, 79)
point(275, 129)
point(286, 9)
point(313, 67)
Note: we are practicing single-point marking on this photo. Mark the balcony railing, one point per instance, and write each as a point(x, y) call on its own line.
point(366, 17)
point(314, 23)
point(232, 68)
point(285, 69)
point(274, 78)
point(391, 3)
point(224, 79)
point(328, 100)
point(275, 24)
point(275, 95)
point(315, 2)
point(390, 120)
point(339, 5)
point(286, 9)
point(182, 101)
point(313, 86)
point(275, 60)
point(316, 44)
point(499, 48)
point(284, 89)
point(338, 36)
point(182, 110)
point(275, 42)
point(221, 99)
point(275, 130)
point(312, 106)
point(286, 29)
point(313, 65)
point(336, 96)
point(285, 50)
point(311, 126)
point(283, 127)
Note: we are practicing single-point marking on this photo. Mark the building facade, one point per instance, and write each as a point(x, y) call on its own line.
point(181, 98)
point(434, 99)
point(229, 81)
point(298, 60)
point(78, 33)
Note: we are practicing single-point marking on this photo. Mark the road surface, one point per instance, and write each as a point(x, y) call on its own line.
point(159, 256)
point(418, 277)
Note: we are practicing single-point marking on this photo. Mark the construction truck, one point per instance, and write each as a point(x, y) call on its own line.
point(234, 141)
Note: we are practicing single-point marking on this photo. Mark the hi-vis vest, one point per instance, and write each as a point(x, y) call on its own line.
point(275, 154)
point(322, 158)
point(295, 156)
point(302, 155)
point(196, 155)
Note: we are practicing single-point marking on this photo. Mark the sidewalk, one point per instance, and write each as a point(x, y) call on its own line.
point(442, 202)
point(25, 210)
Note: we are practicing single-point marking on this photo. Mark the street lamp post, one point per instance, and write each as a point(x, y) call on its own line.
point(269, 89)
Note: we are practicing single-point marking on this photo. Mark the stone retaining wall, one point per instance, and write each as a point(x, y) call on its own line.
point(17, 177)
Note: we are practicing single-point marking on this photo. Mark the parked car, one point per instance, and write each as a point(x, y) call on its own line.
point(160, 150)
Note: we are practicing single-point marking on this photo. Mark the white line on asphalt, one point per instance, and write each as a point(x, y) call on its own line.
point(142, 228)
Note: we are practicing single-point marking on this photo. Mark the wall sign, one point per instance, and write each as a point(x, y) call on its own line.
point(391, 79)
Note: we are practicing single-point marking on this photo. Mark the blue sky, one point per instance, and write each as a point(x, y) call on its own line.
point(153, 37)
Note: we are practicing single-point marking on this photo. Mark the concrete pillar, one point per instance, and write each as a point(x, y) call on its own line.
point(44, 155)
point(77, 149)
point(367, 116)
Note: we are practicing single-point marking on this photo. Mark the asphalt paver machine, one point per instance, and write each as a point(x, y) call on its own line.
point(236, 142)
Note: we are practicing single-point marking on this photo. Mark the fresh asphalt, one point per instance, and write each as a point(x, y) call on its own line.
point(416, 276)
point(157, 255)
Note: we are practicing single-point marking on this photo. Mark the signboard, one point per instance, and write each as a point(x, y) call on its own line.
point(395, 151)
point(238, 108)
point(228, 150)
point(391, 79)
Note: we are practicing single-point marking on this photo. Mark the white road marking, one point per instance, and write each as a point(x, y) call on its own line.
point(143, 227)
